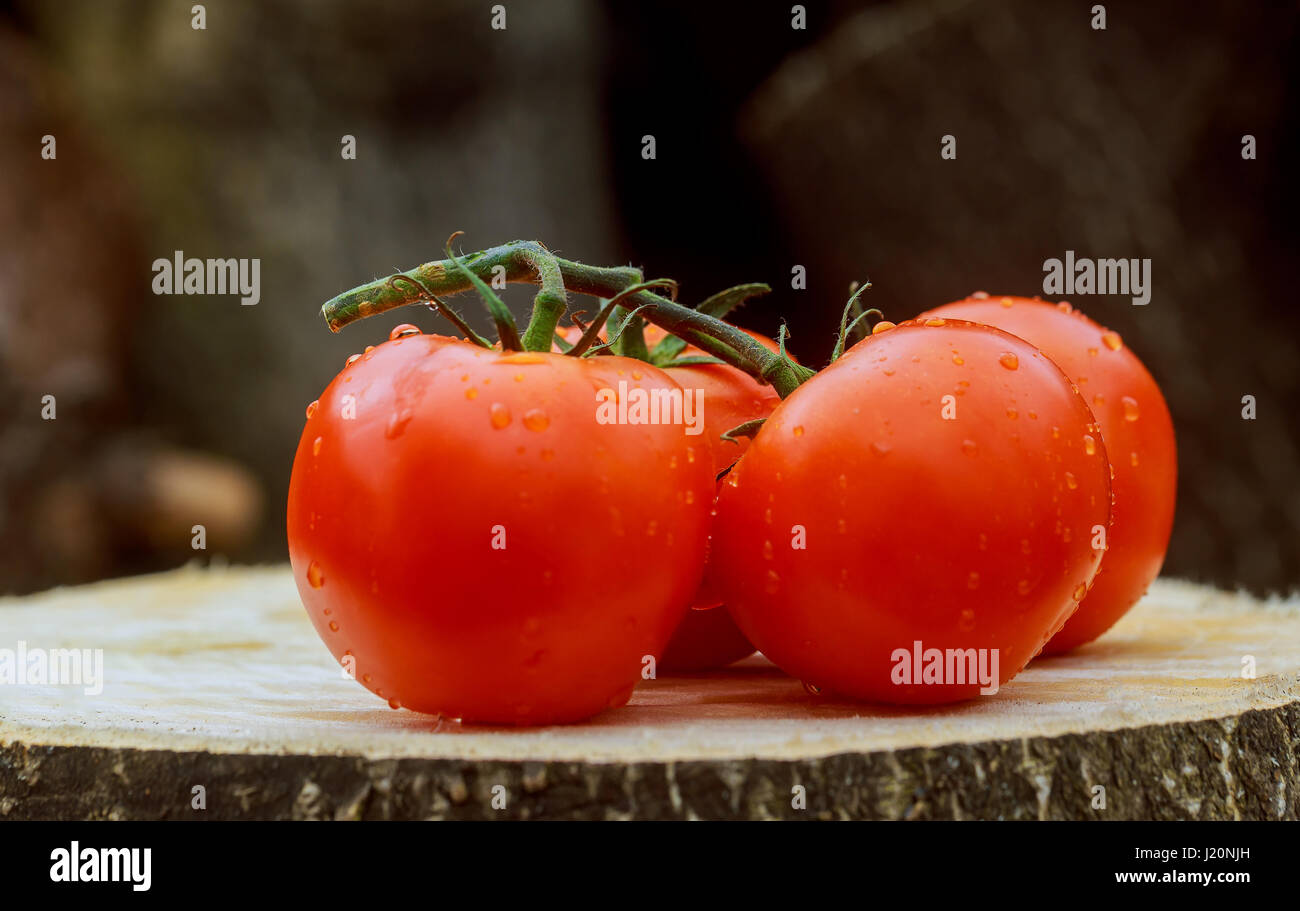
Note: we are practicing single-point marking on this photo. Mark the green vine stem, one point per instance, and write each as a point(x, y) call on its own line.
point(529, 261)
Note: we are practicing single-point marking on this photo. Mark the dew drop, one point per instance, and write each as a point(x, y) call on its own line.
point(1023, 586)
point(772, 582)
point(887, 371)
point(1070, 481)
point(768, 552)
point(1112, 340)
point(1009, 360)
point(935, 322)
point(471, 393)
point(536, 420)
point(311, 409)
point(973, 581)
point(1130, 408)
point(1012, 413)
point(967, 622)
point(334, 626)
point(880, 447)
point(1089, 444)
point(352, 359)
point(968, 447)
point(883, 326)
point(1064, 307)
point(1080, 592)
point(397, 422)
point(315, 446)
point(500, 415)
point(798, 431)
point(315, 578)
point(689, 497)
point(1007, 302)
point(811, 688)
point(980, 296)
point(1092, 352)
point(394, 704)
point(958, 360)
point(1099, 400)
point(1133, 459)
point(402, 331)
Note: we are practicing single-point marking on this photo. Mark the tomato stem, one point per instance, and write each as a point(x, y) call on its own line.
point(529, 261)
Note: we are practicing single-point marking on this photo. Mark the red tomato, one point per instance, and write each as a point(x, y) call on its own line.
point(705, 639)
point(463, 528)
point(1139, 437)
point(938, 487)
point(709, 638)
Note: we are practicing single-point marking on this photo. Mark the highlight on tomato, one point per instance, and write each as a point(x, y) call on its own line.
point(1138, 434)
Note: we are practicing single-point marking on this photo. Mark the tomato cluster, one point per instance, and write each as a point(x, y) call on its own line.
point(474, 537)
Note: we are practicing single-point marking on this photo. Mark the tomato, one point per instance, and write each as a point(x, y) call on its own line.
point(705, 640)
point(708, 637)
point(1139, 436)
point(939, 487)
point(469, 536)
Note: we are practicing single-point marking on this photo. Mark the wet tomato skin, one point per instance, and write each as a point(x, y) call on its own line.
point(1139, 436)
point(970, 532)
point(394, 513)
point(708, 637)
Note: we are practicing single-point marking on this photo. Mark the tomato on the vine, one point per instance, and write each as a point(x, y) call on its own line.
point(1139, 436)
point(470, 540)
point(937, 490)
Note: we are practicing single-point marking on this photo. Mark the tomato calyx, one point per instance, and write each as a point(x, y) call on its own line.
point(530, 261)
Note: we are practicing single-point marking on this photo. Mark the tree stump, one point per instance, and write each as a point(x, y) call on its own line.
point(217, 694)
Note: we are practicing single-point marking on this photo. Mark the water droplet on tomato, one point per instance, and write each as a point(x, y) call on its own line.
point(935, 322)
point(879, 447)
point(798, 431)
point(1080, 592)
point(973, 581)
point(980, 296)
point(1012, 413)
point(1089, 444)
point(689, 497)
point(402, 331)
point(841, 526)
point(968, 447)
point(315, 446)
point(1007, 302)
point(1092, 352)
point(1009, 360)
point(1133, 459)
point(772, 582)
point(352, 359)
point(1070, 481)
point(365, 678)
point(1023, 586)
point(812, 688)
point(397, 422)
point(536, 420)
point(651, 528)
point(311, 409)
point(499, 415)
point(1130, 408)
point(315, 577)
point(1112, 340)
point(768, 552)
point(887, 371)
point(967, 622)
point(958, 360)
point(334, 626)
point(883, 326)
point(1064, 307)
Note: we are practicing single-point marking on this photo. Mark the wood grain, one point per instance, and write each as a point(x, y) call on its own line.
point(215, 678)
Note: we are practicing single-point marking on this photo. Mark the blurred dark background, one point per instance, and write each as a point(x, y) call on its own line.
point(776, 147)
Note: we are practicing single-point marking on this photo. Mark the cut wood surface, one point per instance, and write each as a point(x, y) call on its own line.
point(215, 678)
